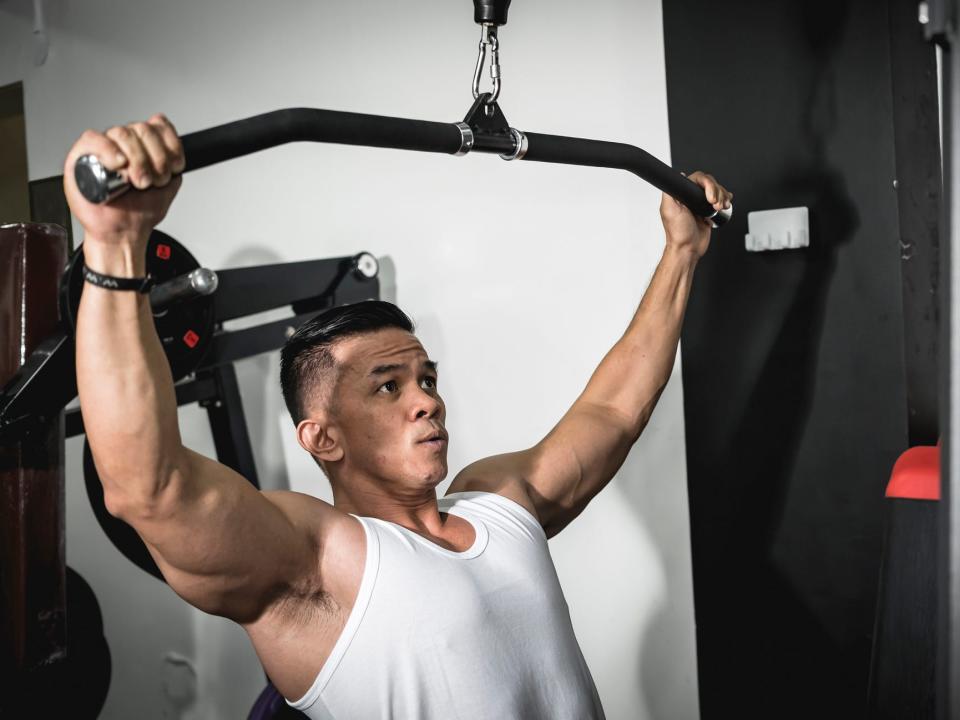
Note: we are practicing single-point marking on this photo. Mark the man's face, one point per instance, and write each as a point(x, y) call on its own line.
point(388, 411)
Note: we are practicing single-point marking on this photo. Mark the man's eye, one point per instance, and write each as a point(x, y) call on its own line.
point(389, 386)
point(429, 383)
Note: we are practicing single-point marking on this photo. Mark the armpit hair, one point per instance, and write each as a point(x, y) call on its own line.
point(303, 604)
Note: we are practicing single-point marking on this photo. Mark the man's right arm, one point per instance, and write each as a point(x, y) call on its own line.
point(221, 544)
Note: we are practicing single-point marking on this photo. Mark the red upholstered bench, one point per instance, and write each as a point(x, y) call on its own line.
point(916, 474)
point(903, 663)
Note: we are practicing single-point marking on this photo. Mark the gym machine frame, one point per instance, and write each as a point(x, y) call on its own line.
point(47, 380)
point(940, 18)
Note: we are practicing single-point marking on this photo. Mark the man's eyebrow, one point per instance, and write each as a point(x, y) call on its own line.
point(384, 369)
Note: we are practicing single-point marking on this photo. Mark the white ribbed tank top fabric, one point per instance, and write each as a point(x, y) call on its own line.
point(483, 633)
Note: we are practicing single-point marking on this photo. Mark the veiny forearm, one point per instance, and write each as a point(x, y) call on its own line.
point(124, 382)
point(631, 377)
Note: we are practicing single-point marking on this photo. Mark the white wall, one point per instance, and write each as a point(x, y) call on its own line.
point(519, 276)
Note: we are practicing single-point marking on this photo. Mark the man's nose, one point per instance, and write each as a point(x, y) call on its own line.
point(426, 405)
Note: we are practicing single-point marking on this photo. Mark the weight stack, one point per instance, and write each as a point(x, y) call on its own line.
point(32, 571)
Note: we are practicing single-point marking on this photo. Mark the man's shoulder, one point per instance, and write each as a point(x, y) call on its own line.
point(323, 521)
point(511, 487)
point(300, 504)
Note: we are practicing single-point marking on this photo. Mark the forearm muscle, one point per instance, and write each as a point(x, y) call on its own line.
point(126, 390)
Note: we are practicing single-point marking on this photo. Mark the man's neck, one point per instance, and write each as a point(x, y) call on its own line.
point(418, 512)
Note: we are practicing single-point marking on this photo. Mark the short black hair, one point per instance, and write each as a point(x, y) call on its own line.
point(307, 353)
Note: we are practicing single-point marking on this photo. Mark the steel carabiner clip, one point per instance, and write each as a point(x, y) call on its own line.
point(488, 37)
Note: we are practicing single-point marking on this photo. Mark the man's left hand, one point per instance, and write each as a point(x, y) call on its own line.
point(684, 230)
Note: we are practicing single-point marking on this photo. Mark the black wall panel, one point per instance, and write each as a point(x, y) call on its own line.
point(793, 361)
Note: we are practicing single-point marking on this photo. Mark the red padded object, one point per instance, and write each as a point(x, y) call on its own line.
point(916, 474)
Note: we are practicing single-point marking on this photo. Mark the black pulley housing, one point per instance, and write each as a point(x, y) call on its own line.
point(490, 12)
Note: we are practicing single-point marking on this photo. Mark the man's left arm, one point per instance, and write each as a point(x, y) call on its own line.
point(576, 460)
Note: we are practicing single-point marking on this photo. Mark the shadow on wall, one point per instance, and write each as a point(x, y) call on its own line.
point(388, 278)
point(752, 455)
point(754, 613)
point(757, 466)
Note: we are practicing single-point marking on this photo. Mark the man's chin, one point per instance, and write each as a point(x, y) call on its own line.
point(426, 471)
point(436, 475)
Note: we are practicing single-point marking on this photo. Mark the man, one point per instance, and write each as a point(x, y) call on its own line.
point(390, 602)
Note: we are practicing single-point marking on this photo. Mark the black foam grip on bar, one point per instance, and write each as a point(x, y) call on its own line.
point(250, 135)
point(599, 153)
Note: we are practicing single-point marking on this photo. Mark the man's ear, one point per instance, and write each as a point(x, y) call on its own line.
point(320, 439)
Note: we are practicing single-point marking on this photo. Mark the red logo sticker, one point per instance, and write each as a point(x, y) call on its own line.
point(163, 252)
point(191, 339)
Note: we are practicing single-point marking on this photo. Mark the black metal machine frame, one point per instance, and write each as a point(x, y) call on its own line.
point(941, 28)
point(307, 287)
point(47, 380)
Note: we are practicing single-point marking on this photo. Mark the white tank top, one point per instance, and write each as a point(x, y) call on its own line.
point(483, 633)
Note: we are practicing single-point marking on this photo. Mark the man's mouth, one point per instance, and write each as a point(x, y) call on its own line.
point(436, 439)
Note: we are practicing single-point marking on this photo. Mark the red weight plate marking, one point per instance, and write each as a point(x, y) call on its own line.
point(163, 252)
point(191, 339)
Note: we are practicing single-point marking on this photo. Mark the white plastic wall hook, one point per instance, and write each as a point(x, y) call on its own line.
point(782, 229)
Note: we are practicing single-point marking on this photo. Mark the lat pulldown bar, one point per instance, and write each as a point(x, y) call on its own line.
point(243, 137)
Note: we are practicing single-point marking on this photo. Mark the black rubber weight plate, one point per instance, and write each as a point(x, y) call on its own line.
point(185, 329)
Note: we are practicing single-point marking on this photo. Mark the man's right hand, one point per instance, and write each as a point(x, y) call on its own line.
point(150, 156)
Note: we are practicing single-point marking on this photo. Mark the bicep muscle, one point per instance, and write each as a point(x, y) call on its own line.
point(226, 547)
